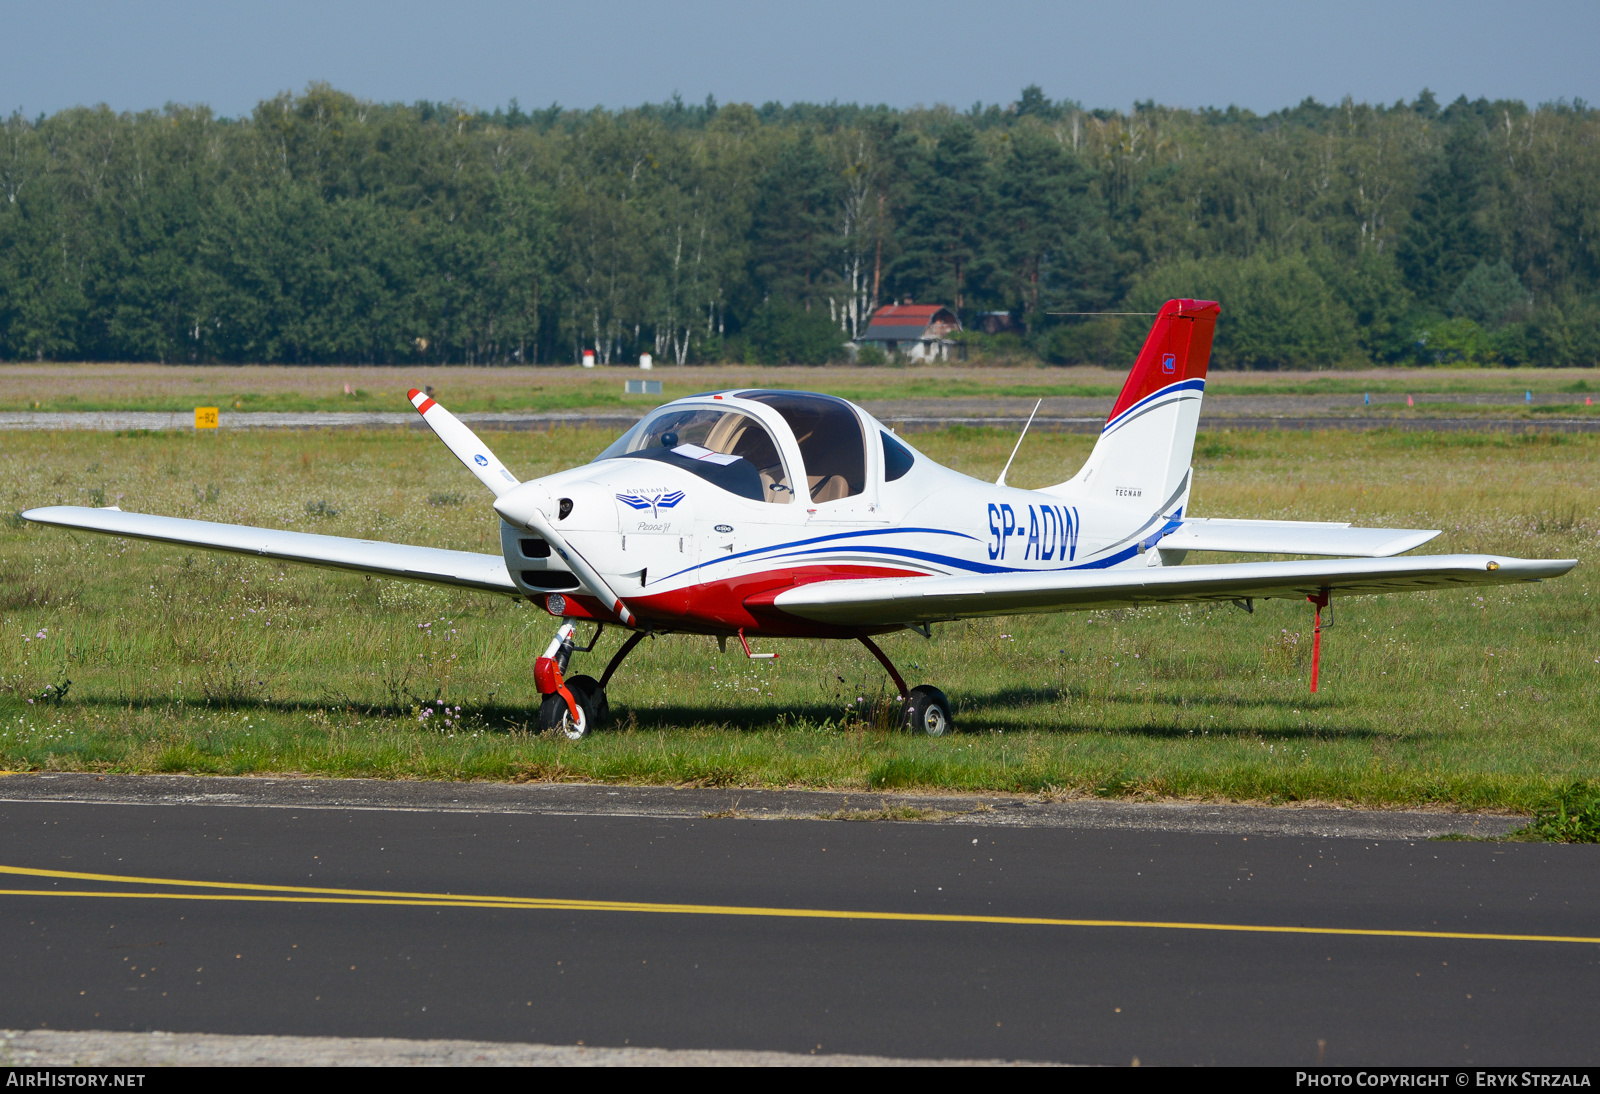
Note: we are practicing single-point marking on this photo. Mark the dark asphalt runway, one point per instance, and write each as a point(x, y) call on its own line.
point(1081, 994)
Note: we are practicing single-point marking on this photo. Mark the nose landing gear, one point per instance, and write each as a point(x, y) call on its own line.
point(575, 704)
point(562, 709)
point(924, 708)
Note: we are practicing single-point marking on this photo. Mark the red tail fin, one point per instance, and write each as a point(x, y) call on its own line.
point(1178, 349)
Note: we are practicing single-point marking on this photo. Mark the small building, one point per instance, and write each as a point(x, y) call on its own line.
point(919, 331)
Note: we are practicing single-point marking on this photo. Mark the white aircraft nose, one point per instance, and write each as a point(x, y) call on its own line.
point(516, 504)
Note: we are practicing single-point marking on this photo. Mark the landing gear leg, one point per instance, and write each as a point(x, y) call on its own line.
point(617, 658)
point(598, 704)
point(923, 709)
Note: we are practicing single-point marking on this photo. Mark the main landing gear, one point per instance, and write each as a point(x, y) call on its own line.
point(574, 705)
point(923, 709)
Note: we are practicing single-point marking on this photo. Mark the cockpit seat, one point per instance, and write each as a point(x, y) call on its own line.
point(828, 487)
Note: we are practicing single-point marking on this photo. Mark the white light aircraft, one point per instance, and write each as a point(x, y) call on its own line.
point(782, 514)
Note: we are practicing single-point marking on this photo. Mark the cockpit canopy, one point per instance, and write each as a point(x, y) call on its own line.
point(724, 446)
point(735, 450)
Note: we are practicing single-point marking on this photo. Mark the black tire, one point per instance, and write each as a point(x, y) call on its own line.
point(587, 690)
point(554, 715)
point(927, 712)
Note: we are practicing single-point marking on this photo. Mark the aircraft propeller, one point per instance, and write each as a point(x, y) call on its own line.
point(464, 444)
point(522, 508)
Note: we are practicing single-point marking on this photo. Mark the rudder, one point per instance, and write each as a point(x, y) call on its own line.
point(1142, 458)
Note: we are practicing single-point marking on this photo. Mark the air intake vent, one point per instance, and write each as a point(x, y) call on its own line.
point(548, 580)
point(534, 548)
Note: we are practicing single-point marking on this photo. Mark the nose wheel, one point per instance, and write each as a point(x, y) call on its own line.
point(924, 708)
point(555, 713)
point(590, 699)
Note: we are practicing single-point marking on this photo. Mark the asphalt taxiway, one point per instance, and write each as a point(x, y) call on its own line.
point(1059, 414)
point(495, 914)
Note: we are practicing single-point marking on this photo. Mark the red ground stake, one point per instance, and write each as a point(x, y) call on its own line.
point(1321, 601)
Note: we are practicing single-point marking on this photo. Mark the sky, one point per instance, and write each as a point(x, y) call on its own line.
point(1262, 55)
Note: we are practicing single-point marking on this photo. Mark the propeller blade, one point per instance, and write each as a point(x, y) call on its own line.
point(464, 443)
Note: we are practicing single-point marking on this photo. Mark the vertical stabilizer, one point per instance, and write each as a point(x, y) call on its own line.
point(1141, 462)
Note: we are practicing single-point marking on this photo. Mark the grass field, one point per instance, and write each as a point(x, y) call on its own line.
point(163, 387)
point(181, 661)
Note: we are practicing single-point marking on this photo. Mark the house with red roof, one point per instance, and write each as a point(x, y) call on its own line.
point(918, 331)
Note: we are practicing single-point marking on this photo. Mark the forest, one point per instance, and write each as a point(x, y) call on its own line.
point(325, 228)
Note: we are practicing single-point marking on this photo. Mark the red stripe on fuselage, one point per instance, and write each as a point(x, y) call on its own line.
point(723, 607)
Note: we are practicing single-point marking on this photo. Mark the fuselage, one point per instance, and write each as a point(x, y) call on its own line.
point(695, 541)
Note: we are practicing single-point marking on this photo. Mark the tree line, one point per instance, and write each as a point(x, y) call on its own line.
point(324, 228)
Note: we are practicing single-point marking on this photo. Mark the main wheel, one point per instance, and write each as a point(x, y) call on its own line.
point(590, 696)
point(554, 714)
point(927, 711)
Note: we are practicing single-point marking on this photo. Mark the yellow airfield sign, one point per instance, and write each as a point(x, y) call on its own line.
point(205, 417)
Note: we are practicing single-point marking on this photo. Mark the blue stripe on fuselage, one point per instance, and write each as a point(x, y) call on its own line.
point(823, 539)
point(982, 567)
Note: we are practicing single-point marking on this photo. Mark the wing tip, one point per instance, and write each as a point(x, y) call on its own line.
point(46, 514)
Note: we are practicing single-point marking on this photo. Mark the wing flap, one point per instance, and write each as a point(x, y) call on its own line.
point(458, 569)
point(877, 601)
point(1293, 537)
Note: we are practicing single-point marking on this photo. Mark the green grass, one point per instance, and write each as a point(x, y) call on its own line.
point(138, 657)
point(1573, 816)
point(89, 387)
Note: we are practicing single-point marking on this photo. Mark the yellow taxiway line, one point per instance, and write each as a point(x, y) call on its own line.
point(302, 894)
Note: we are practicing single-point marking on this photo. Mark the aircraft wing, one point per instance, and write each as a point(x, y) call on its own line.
point(879, 601)
point(1292, 537)
point(461, 569)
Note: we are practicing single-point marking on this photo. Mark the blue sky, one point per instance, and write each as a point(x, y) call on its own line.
point(1254, 53)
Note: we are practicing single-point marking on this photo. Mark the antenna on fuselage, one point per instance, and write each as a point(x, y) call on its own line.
point(1001, 481)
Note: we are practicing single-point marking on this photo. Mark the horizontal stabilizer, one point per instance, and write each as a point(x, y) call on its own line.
point(459, 569)
point(1293, 537)
point(904, 601)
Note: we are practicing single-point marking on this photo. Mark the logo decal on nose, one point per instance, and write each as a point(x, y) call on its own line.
point(654, 503)
point(481, 460)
